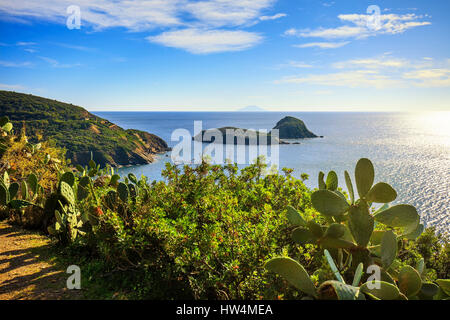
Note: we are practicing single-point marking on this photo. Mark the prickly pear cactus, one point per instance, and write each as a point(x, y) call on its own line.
point(66, 192)
point(122, 190)
point(349, 237)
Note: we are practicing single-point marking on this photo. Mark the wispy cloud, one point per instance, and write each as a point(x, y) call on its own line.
point(322, 45)
point(351, 79)
point(24, 43)
point(12, 64)
point(299, 64)
point(389, 23)
point(4, 86)
point(295, 64)
point(361, 26)
point(221, 13)
point(200, 41)
point(332, 33)
point(75, 47)
point(328, 4)
point(372, 63)
point(274, 17)
point(379, 72)
point(429, 77)
point(56, 64)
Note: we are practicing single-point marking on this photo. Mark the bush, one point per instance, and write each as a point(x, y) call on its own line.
point(210, 227)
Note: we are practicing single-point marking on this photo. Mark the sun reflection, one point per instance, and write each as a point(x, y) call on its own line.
point(435, 123)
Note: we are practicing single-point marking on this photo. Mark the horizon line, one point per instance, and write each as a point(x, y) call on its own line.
point(274, 111)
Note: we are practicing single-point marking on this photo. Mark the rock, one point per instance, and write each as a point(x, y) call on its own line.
point(293, 128)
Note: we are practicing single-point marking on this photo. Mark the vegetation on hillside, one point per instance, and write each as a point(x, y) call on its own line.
point(217, 232)
point(80, 132)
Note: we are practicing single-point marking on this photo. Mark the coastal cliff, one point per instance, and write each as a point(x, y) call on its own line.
point(80, 132)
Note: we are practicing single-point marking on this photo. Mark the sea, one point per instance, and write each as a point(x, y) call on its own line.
point(410, 151)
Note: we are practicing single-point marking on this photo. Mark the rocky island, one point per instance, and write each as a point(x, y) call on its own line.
point(293, 128)
point(241, 136)
point(79, 132)
point(289, 128)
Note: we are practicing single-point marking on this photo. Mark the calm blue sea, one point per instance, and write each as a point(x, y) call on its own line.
point(409, 151)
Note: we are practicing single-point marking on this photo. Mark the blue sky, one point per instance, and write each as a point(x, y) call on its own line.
point(216, 55)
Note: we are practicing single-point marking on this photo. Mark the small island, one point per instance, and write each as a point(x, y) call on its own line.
point(241, 136)
point(293, 128)
point(289, 128)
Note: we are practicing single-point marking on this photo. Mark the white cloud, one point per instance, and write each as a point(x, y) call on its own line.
point(380, 72)
point(322, 45)
point(199, 41)
point(429, 77)
point(12, 87)
point(142, 15)
point(133, 15)
point(24, 43)
point(221, 13)
point(372, 63)
point(328, 4)
point(389, 23)
point(56, 64)
point(75, 47)
point(196, 19)
point(274, 17)
point(334, 33)
point(299, 64)
point(351, 79)
point(360, 27)
point(11, 64)
point(295, 64)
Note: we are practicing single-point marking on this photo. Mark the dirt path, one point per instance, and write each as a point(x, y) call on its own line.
point(26, 270)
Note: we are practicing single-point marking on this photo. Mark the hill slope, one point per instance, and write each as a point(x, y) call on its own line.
point(79, 131)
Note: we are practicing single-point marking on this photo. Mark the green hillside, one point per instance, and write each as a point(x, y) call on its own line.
point(79, 131)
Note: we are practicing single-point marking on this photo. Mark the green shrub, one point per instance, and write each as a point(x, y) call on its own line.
point(211, 227)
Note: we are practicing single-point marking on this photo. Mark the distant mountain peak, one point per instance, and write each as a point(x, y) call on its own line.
point(252, 109)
